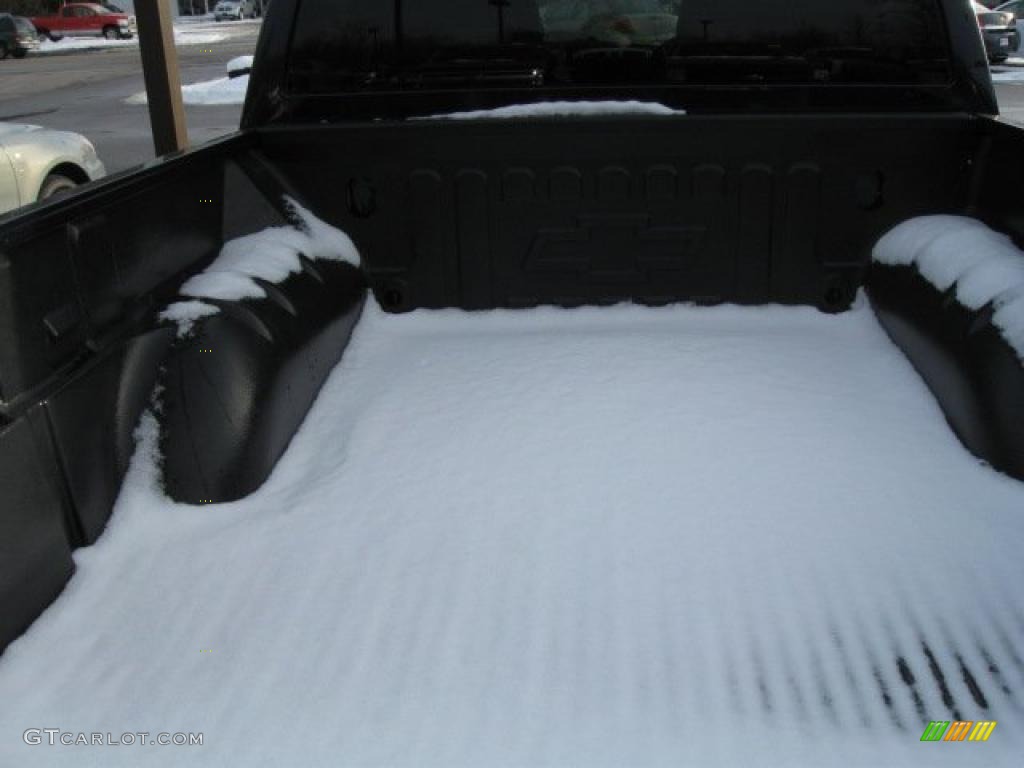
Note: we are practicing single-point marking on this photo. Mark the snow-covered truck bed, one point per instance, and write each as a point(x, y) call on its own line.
point(543, 388)
point(620, 536)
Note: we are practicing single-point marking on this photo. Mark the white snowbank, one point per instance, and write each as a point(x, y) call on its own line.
point(238, 63)
point(600, 537)
point(181, 37)
point(220, 91)
point(561, 109)
point(270, 255)
point(984, 265)
point(1007, 76)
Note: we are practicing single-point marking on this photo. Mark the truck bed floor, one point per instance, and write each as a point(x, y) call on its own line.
point(597, 537)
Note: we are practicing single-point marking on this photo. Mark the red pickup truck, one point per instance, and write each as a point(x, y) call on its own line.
point(82, 20)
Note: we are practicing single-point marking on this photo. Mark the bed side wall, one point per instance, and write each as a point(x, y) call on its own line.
point(81, 280)
point(974, 374)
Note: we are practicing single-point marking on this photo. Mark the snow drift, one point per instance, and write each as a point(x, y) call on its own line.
point(562, 109)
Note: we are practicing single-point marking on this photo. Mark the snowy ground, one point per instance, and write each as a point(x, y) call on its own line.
point(600, 537)
point(222, 90)
point(219, 91)
point(1007, 75)
point(187, 36)
point(239, 64)
point(1010, 71)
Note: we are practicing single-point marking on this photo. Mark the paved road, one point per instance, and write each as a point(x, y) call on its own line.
point(1011, 101)
point(84, 91)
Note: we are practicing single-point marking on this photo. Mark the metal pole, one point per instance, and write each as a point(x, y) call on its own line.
point(160, 71)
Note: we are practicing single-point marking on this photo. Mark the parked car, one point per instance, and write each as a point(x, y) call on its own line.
point(37, 163)
point(17, 36)
point(999, 30)
point(1016, 7)
point(84, 20)
point(235, 9)
point(118, 9)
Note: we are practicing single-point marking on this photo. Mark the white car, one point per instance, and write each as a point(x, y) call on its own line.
point(235, 9)
point(1016, 7)
point(37, 163)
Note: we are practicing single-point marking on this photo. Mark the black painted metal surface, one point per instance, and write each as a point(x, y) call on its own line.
point(35, 551)
point(234, 392)
point(975, 375)
point(708, 209)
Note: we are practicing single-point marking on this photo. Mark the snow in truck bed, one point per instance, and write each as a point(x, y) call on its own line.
point(595, 537)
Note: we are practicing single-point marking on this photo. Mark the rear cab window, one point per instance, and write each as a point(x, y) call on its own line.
point(545, 46)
